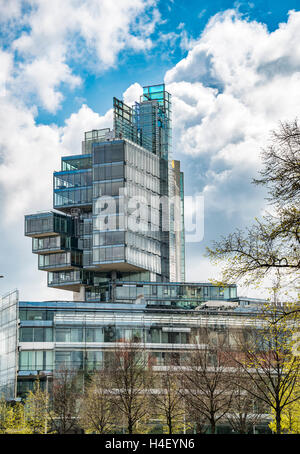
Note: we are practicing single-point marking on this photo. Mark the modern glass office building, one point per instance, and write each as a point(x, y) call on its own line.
point(118, 206)
point(115, 238)
point(38, 337)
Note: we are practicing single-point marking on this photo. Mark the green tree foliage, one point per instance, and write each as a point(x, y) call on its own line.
point(97, 413)
point(267, 358)
point(16, 420)
point(5, 415)
point(37, 411)
point(290, 416)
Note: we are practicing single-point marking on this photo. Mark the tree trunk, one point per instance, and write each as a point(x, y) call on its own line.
point(170, 424)
point(130, 426)
point(278, 421)
point(212, 426)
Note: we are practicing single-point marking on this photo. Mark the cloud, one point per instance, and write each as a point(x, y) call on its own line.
point(85, 119)
point(29, 153)
point(57, 38)
point(10, 10)
point(6, 65)
point(132, 94)
point(44, 76)
point(234, 86)
point(236, 82)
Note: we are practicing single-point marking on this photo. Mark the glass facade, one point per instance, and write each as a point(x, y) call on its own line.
point(84, 335)
point(8, 344)
point(45, 224)
point(117, 215)
point(117, 241)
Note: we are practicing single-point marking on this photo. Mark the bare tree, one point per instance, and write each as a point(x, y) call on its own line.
point(194, 420)
point(130, 381)
point(206, 379)
point(96, 412)
point(281, 171)
point(273, 242)
point(64, 401)
point(244, 413)
point(166, 398)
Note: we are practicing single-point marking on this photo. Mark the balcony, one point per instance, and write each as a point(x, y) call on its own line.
point(47, 224)
point(66, 280)
point(78, 162)
point(50, 244)
point(73, 185)
point(60, 261)
point(67, 198)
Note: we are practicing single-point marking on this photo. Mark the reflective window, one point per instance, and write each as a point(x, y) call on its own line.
point(36, 360)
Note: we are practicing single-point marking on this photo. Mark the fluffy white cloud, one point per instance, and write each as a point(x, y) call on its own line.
point(29, 153)
point(255, 77)
point(10, 10)
point(83, 120)
point(237, 81)
point(53, 37)
point(43, 76)
point(6, 65)
point(132, 94)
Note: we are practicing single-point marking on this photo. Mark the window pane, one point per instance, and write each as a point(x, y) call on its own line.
point(26, 334)
point(38, 334)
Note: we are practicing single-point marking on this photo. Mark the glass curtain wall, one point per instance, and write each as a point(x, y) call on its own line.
point(8, 344)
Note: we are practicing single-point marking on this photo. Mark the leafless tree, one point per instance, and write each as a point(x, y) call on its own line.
point(166, 398)
point(64, 400)
point(281, 170)
point(194, 421)
point(130, 381)
point(244, 413)
point(206, 379)
point(271, 244)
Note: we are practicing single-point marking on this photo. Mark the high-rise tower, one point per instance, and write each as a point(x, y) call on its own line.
point(118, 206)
point(116, 239)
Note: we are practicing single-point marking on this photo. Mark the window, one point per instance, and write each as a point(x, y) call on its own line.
point(38, 334)
point(36, 360)
point(94, 335)
point(63, 335)
point(76, 334)
point(109, 334)
point(26, 334)
point(72, 360)
point(108, 153)
point(36, 315)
